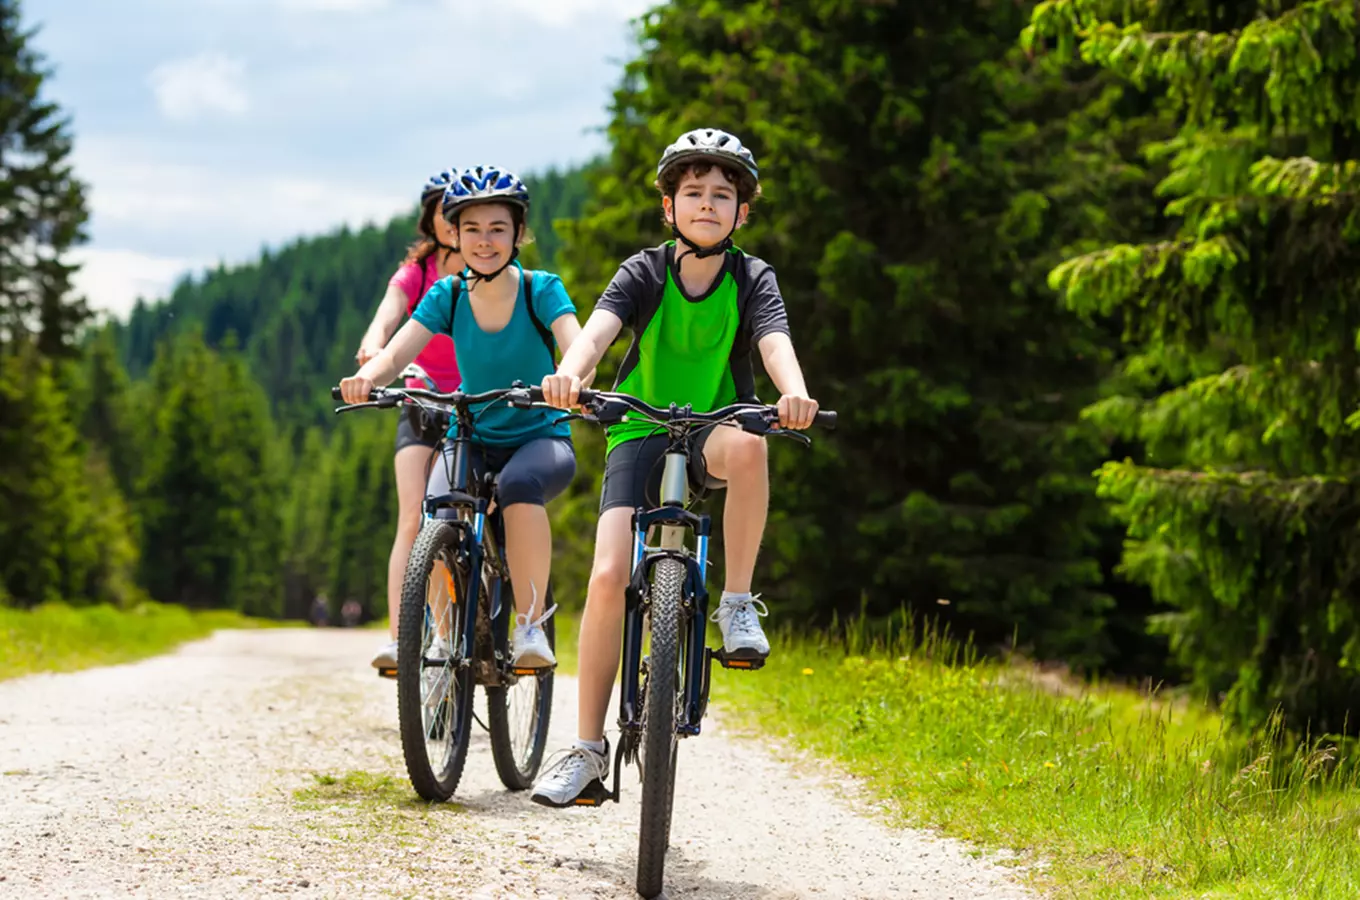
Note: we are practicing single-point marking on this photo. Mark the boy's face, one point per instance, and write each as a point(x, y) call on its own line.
point(705, 207)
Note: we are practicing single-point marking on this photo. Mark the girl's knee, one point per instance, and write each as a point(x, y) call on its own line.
point(408, 526)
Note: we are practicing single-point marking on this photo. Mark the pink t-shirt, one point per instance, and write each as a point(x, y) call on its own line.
point(437, 359)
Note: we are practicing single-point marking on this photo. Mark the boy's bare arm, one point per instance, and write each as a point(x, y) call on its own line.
point(796, 408)
point(561, 388)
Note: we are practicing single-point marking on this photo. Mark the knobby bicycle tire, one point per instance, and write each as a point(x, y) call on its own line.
point(658, 731)
point(436, 541)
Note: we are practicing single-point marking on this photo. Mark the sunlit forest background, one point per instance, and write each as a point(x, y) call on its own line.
point(1086, 305)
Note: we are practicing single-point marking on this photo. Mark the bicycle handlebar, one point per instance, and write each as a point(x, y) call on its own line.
point(606, 407)
point(598, 399)
point(388, 397)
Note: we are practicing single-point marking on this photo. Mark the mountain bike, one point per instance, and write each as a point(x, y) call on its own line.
point(664, 694)
point(457, 611)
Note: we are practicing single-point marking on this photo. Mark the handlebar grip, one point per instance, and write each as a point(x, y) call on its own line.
point(586, 395)
point(825, 418)
point(373, 395)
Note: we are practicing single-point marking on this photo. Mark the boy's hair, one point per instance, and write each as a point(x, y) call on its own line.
point(747, 187)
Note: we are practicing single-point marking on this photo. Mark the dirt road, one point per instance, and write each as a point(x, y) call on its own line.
point(258, 764)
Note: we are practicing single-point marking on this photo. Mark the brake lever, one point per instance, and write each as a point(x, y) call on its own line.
point(367, 404)
point(792, 435)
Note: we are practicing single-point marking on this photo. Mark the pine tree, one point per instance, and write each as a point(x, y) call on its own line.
point(1244, 520)
point(209, 490)
point(42, 205)
point(64, 526)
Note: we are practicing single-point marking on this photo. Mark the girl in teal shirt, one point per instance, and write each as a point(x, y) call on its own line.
point(497, 340)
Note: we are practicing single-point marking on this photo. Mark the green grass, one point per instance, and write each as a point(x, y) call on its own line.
point(1119, 794)
point(364, 788)
point(55, 637)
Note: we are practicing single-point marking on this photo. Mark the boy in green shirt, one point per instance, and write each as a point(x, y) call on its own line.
point(696, 313)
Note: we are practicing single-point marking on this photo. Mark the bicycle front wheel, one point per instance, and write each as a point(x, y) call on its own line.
point(518, 714)
point(659, 738)
point(434, 685)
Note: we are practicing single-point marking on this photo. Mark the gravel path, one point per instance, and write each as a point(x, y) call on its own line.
point(266, 763)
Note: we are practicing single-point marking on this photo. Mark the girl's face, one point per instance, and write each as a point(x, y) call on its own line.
point(444, 233)
point(705, 207)
point(486, 236)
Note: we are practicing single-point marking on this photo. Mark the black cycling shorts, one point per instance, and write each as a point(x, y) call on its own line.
point(415, 429)
point(632, 471)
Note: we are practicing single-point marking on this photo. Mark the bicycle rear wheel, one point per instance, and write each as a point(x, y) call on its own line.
point(659, 738)
point(434, 686)
point(518, 714)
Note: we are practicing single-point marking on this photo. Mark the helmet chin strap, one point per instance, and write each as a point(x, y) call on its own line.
point(476, 276)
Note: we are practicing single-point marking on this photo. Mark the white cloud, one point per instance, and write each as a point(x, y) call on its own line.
point(207, 83)
point(234, 212)
point(112, 280)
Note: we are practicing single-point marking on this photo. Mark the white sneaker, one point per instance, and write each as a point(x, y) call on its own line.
point(440, 648)
point(571, 774)
point(737, 618)
point(386, 658)
point(529, 646)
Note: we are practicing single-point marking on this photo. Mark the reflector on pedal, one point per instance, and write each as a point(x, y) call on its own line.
point(531, 671)
point(387, 673)
point(747, 664)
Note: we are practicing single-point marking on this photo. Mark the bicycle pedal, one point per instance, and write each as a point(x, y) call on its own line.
point(594, 794)
point(387, 673)
point(727, 662)
point(529, 671)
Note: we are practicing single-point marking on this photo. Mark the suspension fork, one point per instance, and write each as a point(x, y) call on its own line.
point(674, 522)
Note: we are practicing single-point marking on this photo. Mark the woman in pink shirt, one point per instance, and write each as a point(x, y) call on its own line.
point(429, 259)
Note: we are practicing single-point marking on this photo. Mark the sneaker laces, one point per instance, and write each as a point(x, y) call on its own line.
point(741, 613)
point(563, 765)
point(527, 620)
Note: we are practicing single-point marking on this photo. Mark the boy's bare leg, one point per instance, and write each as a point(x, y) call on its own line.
point(602, 620)
point(740, 459)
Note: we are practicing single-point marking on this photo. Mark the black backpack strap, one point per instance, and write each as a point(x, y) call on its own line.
point(456, 292)
point(543, 330)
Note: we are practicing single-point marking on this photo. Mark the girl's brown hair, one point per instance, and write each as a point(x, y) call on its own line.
point(420, 251)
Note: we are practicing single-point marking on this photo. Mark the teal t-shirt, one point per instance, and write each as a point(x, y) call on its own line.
point(490, 360)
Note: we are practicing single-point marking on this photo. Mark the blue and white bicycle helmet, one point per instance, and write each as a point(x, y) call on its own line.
point(484, 184)
point(436, 185)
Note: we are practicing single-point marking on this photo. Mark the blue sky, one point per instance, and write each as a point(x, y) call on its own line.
point(208, 129)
